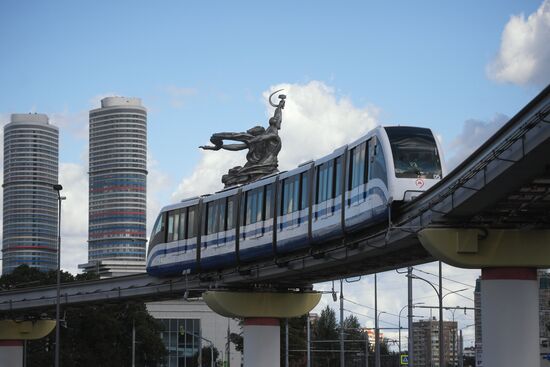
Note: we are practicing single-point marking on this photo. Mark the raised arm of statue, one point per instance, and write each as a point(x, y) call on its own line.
point(218, 140)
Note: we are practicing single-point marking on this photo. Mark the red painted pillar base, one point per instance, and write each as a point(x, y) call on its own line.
point(11, 353)
point(262, 345)
point(510, 317)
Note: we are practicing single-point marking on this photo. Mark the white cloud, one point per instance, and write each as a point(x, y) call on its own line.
point(179, 95)
point(74, 123)
point(158, 183)
point(524, 55)
point(74, 216)
point(474, 133)
point(315, 122)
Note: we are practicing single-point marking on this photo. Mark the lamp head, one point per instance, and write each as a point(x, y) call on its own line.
point(57, 187)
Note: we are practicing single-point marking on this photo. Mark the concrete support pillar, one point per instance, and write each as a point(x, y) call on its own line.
point(11, 353)
point(262, 345)
point(510, 317)
point(261, 312)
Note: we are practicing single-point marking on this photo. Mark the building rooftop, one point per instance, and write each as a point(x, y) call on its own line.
point(35, 118)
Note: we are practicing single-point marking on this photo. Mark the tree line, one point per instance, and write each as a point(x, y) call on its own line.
point(97, 334)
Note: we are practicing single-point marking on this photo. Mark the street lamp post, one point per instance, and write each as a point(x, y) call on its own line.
point(410, 331)
point(440, 297)
point(377, 337)
point(209, 342)
point(58, 188)
point(308, 341)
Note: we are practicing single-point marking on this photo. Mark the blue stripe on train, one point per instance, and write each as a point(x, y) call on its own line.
point(264, 250)
point(283, 246)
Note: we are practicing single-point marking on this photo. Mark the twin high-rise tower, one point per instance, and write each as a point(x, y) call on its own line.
point(117, 190)
point(30, 203)
point(118, 187)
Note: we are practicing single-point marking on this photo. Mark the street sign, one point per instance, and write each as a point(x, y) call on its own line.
point(404, 359)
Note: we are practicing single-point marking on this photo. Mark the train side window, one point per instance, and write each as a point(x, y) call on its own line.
point(350, 168)
point(291, 193)
point(176, 224)
point(254, 205)
point(183, 214)
point(259, 204)
point(210, 217)
point(377, 166)
point(358, 165)
point(159, 225)
point(320, 183)
point(304, 191)
point(170, 236)
point(250, 207)
point(338, 176)
point(220, 221)
point(230, 213)
point(325, 181)
point(191, 229)
point(330, 179)
point(268, 202)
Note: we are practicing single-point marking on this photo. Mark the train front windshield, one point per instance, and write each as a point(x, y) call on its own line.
point(414, 152)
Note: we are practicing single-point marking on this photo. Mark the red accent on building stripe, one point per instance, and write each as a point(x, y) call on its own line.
point(116, 212)
point(11, 343)
point(261, 321)
point(509, 273)
point(118, 188)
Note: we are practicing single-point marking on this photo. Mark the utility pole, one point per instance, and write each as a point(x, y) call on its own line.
point(461, 350)
point(376, 330)
point(441, 338)
point(308, 328)
point(286, 342)
point(228, 353)
point(342, 349)
point(410, 314)
point(366, 348)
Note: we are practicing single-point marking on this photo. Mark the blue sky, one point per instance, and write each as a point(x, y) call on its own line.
point(461, 68)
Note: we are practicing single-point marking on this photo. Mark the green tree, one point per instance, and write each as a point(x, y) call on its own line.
point(237, 339)
point(326, 339)
point(354, 341)
point(91, 334)
point(297, 340)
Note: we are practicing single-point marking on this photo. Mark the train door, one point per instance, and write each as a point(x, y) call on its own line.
point(356, 193)
point(254, 211)
point(292, 222)
point(256, 239)
point(324, 194)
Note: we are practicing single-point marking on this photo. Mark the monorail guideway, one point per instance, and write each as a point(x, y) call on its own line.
point(334, 217)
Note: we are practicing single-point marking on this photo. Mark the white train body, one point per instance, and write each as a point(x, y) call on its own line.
point(347, 191)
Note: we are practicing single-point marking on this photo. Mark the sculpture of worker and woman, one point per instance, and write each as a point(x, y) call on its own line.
point(263, 147)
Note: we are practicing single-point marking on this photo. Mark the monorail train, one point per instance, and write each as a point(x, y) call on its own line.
point(344, 192)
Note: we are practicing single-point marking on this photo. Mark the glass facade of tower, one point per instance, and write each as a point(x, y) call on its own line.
point(118, 180)
point(31, 156)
